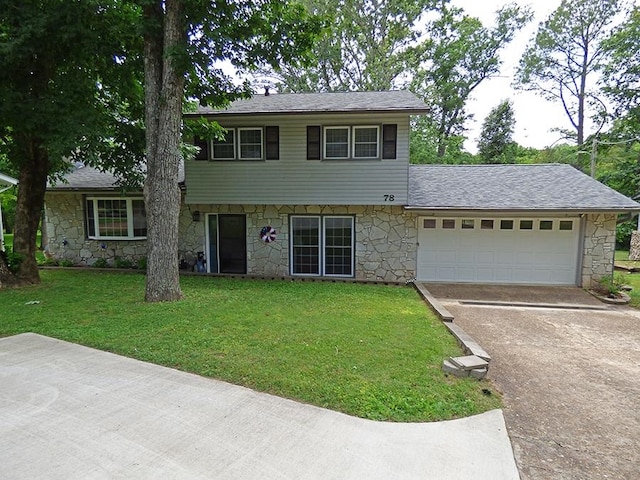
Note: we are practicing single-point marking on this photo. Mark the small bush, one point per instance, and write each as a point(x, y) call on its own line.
point(611, 285)
point(122, 263)
point(623, 234)
point(66, 263)
point(13, 260)
point(142, 263)
point(101, 263)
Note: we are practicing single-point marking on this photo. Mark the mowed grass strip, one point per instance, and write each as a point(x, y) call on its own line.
point(373, 351)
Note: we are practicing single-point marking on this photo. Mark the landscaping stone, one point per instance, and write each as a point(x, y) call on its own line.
point(478, 373)
point(469, 362)
point(449, 367)
point(467, 342)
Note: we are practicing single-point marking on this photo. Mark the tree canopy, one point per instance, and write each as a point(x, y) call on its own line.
point(459, 55)
point(562, 58)
point(496, 143)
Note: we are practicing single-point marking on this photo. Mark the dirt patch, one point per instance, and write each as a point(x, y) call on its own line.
point(570, 385)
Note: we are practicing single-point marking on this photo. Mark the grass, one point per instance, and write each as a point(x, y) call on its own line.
point(632, 279)
point(372, 351)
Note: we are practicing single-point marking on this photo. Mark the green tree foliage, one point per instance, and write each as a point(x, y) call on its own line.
point(561, 60)
point(69, 90)
point(369, 45)
point(496, 143)
point(459, 54)
point(621, 76)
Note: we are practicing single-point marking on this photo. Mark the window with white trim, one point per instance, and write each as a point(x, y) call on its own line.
point(250, 143)
point(224, 147)
point(322, 245)
point(111, 218)
point(365, 141)
point(336, 142)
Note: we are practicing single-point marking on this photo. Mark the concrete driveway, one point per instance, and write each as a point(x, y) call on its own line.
point(570, 376)
point(71, 412)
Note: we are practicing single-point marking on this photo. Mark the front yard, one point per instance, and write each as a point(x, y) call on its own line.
point(372, 351)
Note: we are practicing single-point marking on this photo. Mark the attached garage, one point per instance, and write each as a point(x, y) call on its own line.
point(546, 224)
point(499, 250)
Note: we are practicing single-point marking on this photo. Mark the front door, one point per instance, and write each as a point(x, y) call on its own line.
point(227, 244)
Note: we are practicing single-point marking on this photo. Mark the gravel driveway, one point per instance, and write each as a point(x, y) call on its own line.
point(570, 378)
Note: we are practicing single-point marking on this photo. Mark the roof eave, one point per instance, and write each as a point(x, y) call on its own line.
point(520, 211)
point(224, 113)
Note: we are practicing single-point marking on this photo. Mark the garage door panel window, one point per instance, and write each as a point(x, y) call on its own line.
point(526, 224)
point(322, 245)
point(468, 224)
point(566, 225)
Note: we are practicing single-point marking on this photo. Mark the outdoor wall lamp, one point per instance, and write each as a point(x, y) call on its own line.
point(196, 216)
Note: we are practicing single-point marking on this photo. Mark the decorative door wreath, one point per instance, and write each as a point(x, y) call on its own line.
point(268, 234)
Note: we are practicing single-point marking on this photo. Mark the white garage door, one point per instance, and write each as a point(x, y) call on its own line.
point(498, 250)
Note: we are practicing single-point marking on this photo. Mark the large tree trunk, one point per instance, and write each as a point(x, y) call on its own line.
point(30, 202)
point(164, 92)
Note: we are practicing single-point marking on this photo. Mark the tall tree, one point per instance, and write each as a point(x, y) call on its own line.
point(562, 58)
point(496, 144)
point(369, 46)
point(621, 76)
point(60, 63)
point(183, 42)
point(460, 54)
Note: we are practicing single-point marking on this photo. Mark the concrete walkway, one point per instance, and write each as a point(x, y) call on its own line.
point(71, 412)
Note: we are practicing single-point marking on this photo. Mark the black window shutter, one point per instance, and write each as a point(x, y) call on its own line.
point(313, 143)
point(203, 154)
point(272, 134)
point(389, 140)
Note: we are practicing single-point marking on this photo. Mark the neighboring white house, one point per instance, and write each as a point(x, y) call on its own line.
point(6, 182)
point(319, 185)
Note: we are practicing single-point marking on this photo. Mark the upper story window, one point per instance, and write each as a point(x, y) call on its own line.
point(365, 142)
point(224, 148)
point(116, 218)
point(250, 143)
point(352, 142)
point(245, 143)
point(336, 142)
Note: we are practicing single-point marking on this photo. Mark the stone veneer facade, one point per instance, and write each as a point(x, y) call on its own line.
point(599, 248)
point(385, 237)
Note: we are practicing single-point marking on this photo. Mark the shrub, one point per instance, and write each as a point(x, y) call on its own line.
point(66, 263)
point(142, 263)
point(122, 263)
point(623, 234)
point(13, 260)
point(101, 263)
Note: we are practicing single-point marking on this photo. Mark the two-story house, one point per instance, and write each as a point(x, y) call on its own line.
point(319, 185)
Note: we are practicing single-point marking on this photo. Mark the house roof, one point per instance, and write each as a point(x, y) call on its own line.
point(7, 180)
point(88, 178)
point(551, 187)
point(335, 102)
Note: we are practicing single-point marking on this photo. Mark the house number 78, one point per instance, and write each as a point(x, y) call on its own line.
point(389, 198)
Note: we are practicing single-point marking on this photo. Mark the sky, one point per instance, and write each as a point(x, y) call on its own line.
point(535, 116)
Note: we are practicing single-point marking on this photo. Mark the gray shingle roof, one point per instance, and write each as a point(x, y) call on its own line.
point(553, 187)
point(89, 178)
point(343, 102)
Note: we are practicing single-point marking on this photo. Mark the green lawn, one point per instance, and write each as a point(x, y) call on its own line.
point(633, 279)
point(373, 351)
